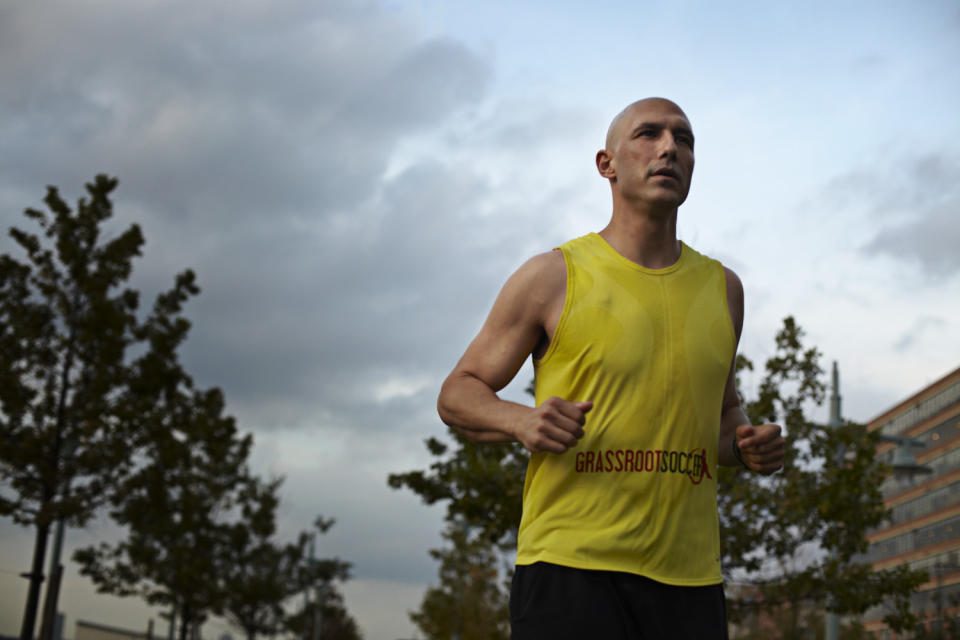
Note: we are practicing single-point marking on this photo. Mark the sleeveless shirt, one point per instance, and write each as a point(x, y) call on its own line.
point(651, 348)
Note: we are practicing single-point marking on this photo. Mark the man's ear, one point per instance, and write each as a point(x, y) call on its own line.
point(605, 165)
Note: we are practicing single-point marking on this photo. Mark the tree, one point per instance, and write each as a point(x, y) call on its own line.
point(66, 328)
point(179, 507)
point(469, 603)
point(260, 576)
point(482, 485)
point(796, 536)
point(200, 525)
point(323, 614)
point(329, 614)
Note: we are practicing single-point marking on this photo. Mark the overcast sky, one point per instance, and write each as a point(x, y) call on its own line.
point(353, 181)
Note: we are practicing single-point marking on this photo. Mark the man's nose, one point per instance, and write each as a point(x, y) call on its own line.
point(668, 146)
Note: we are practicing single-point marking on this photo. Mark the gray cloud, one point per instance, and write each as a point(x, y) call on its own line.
point(930, 238)
point(910, 207)
point(915, 332)
point(253, 145)
point(255, 153)
point(345, 190)
point(219, 112)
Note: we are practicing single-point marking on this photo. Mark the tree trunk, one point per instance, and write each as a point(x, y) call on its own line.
point(185, 615)
point(36, 580)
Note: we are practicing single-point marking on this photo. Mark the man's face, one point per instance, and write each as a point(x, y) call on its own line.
point(650, 151)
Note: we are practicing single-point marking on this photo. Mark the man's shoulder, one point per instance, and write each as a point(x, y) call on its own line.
point(703, 257)
point(544, 273)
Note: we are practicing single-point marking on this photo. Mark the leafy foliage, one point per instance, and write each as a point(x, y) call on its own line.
point(192, 477)
point(96, 410)
point(325, 611)
point(469, 603)
point(260, 577)
point(200, 525)
point(796, 536)
point(67, 325)
point(65, 329)
point(482, 485)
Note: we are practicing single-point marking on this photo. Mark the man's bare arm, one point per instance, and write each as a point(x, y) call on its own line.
point(518, 322)
point(761, 447)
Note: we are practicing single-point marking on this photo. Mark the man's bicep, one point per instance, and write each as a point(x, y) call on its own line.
point(515, 324)
point(501, 347)
point(731, 414)
point(734, 301)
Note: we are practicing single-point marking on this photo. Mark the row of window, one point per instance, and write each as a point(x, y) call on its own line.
point(948, 561)
point(916, 539)
point(922, 410)
point(931, 501)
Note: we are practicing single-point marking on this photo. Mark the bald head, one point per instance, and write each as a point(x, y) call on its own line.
point(623, 118)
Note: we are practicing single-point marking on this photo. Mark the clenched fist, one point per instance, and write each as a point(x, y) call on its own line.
point(554, 426)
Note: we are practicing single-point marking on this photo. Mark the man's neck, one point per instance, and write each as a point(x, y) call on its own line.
point(648, 238)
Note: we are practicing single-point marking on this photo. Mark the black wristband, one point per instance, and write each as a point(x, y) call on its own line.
point(737, 454)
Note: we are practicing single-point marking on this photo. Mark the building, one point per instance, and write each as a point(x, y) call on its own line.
point(923, 530)
point(94, 631)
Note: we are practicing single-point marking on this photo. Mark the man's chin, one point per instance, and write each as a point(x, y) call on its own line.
point(667, 199)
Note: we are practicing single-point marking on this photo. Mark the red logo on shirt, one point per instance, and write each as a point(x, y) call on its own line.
point(694, 464)
point(696, 475)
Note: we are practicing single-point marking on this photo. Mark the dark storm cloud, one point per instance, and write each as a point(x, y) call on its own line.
point(342, 274)
point(220, 113)
point(322, 314)
point(253, 145)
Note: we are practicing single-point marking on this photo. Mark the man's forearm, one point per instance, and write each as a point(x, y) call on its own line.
point(471, 408)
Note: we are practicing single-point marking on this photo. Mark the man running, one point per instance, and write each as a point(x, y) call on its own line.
point(633, 336)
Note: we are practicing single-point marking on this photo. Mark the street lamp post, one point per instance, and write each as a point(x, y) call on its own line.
point(831, 619)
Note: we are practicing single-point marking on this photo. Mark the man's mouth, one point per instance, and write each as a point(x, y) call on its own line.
point(667, 172)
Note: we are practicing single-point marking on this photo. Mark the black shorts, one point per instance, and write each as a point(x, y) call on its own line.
point(550, 601)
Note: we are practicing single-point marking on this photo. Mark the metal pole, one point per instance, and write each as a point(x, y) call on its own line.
point(49, 612)
point(48, 619)
point(171, 632)
point(831, 629)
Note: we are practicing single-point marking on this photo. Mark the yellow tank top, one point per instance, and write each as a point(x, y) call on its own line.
point(652, 349)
